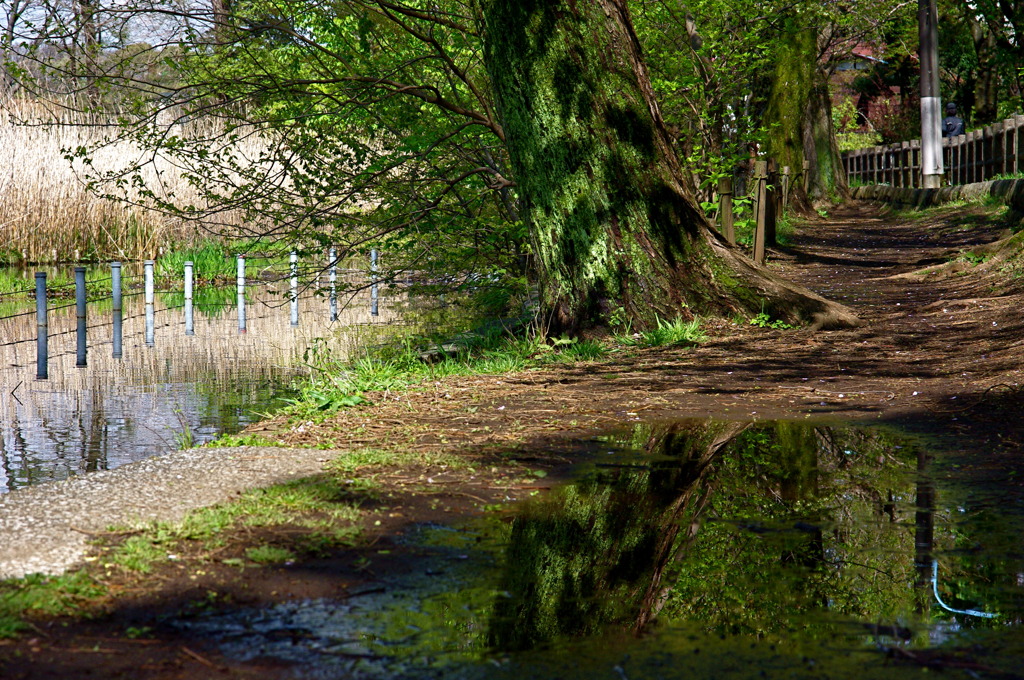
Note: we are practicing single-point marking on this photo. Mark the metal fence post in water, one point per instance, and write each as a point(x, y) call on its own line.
point(80, 311)
point(294, 258)
point(115, 285)
point(333, 278)
point(374, 311)
point(42, 337)
point(190, 328)
point(241, 293)
point(150, 312)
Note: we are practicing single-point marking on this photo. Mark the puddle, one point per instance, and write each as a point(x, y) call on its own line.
point(696, 549)
point(182, 389)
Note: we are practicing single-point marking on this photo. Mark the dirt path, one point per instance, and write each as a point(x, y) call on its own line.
point(940, 355)
point(928, 347)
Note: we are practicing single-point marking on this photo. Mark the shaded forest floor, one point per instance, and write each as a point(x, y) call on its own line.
point(940, 353)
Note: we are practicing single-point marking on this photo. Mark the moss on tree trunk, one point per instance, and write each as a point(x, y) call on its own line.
point(614, 223)
point(800, 113)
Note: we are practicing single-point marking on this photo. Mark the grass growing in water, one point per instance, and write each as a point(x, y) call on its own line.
point(210, 260)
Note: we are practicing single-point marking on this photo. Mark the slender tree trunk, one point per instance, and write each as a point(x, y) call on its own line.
point(800, 111)
point(221, 22)
point(612, 216)
point(88, 29)
point(88, 47)
point(986, 83)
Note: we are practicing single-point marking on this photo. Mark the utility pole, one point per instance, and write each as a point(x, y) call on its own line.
point(931, 102)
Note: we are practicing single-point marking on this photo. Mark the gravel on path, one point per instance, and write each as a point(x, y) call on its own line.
point(46, 528)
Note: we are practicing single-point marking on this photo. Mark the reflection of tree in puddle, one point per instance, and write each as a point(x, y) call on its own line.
point(597, 551)
point(775, 531)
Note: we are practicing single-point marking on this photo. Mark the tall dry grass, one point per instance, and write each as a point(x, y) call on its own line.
point(47, 214)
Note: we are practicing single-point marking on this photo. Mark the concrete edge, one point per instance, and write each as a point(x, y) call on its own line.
point(1009, 191)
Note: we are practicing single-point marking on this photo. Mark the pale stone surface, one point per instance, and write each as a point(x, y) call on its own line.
point(46, 528)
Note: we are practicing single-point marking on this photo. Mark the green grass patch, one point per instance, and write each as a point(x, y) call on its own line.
point(356, 463)
point(327, 505)
point(43, 595)
point(229, 440)
point(668, 333)
point(406, 362)
point(214, 260)
point(973, 259)
point(763, 320)
point(269, 554)
point(211, 260)
point(322, 503)
point(929, 213)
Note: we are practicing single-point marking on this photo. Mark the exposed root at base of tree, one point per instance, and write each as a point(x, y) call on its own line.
point(782, 299)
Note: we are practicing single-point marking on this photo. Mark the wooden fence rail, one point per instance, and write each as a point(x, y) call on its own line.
point(977, 156)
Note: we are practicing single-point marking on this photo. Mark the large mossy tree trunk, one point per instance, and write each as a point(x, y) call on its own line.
point(612, 217)
point(800, 115)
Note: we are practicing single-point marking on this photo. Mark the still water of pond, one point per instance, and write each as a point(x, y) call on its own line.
point(181, 390)
point(696, 549)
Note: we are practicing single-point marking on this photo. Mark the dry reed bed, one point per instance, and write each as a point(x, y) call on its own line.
point(47, 214)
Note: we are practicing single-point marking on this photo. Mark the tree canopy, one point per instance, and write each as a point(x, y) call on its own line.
point(384, 124)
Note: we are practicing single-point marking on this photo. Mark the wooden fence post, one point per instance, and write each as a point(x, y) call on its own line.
point(915, 163)
point(947, 160)
point(904, 161)
point(961, 162)
point(1018, 151)
point(774, 204)
point(785, 188)
point(998, 149)
point(980, 156)
point(806, 179)
point(954, 159)
point(1010, 145)
point(725, 209)
point(987, 150)
point(761, 184)
point(1004, 127)
point(969, 157)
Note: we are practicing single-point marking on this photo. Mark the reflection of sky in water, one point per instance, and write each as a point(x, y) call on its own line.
point(794, 550)
point(119, 411)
